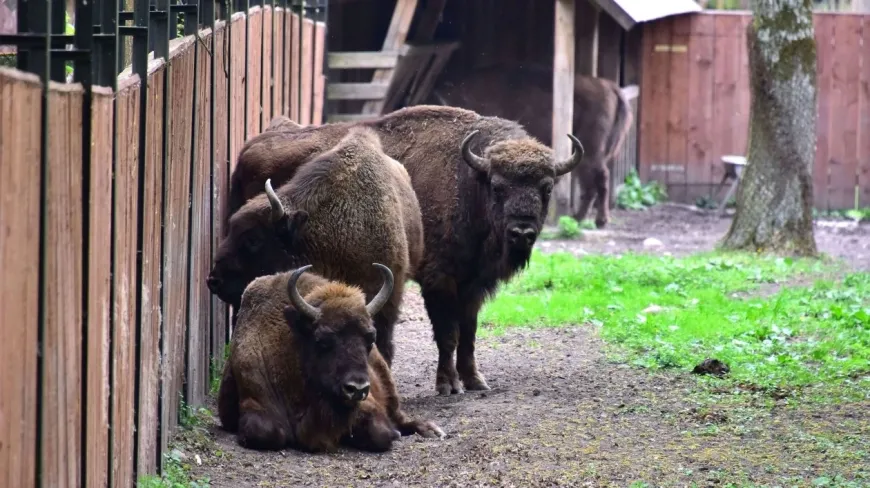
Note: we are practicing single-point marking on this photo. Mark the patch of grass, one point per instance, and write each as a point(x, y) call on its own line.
point(175, 474)
point(856, 214)
point(217, 373)
point(634, 195)
point(665, 312)
point(569, 228)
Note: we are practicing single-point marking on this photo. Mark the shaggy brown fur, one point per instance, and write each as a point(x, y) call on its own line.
point(285, 380)
point(349, 207)
point(602, 117)
point(282, 123)
point(480, 222)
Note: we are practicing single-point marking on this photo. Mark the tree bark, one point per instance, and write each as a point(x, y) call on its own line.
point(774, 201)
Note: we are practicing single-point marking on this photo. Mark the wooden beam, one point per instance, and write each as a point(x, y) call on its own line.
point(363, 60)
point(356, 91)
point(596, 34)
point(397, 33)
point(563, 100)
point(429, 20)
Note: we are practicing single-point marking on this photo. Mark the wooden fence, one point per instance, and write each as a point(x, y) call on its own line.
point(695, 104)
point(107, 323)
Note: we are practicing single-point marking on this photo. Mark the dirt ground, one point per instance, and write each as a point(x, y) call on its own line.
point(561, 414)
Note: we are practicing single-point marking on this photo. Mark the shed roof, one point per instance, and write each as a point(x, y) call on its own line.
point(631, 12)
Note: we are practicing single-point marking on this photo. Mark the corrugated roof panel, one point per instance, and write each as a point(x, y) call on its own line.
point(631, 12)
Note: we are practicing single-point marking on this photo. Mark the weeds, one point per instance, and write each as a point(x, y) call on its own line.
point(665, 312)
point(175, 474)
point(634, 195)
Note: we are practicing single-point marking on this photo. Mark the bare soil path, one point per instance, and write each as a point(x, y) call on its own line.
point(561, 414)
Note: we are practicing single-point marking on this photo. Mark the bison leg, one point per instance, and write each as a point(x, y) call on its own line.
point(441, 310)
point(466, 365)
point(602, 187)
point(260, 429)
point(372, 430)
point(228, 401)
point(385, 322)
point(587, 192)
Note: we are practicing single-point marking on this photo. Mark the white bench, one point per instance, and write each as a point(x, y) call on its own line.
point(734, 166)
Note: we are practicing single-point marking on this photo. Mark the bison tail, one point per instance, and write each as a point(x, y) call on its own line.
point(621, 125)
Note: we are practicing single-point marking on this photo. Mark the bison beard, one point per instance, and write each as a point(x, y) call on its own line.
point(303, 370)
point(483, 185)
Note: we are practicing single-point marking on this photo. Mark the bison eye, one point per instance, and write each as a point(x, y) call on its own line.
point(253, 243)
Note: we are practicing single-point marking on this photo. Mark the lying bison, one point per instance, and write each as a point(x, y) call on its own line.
point(483, 185)
point(348, 207)
point(303, 372)
point(602, 117)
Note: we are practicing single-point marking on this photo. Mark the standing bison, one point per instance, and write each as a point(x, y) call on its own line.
point(483, 185)
point(602, 118)
point(303, 372)
point(347, 208)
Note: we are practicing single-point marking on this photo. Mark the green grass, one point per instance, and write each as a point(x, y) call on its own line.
point(736, 308)
point(175, 474)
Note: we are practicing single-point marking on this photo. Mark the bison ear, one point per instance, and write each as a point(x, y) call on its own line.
point(290, 229)
point(298, 322)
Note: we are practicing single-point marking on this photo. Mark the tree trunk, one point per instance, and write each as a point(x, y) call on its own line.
point(774, 201)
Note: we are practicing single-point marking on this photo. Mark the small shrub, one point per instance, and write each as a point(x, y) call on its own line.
point(634, 195)
point(569, 228)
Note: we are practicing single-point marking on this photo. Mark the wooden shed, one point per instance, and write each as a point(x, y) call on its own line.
point(386, 54)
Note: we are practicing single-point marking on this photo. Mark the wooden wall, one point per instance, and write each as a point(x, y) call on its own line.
point(95, 340)
point(695, 104)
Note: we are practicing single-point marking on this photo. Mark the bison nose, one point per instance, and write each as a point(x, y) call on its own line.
point(213, 283)
point(356, 391)
point(522, 234)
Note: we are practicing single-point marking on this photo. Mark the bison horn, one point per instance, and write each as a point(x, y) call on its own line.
point(384, 294)
point(296, 299)
point(567, 165)
point(473, 160)
point(277, 208)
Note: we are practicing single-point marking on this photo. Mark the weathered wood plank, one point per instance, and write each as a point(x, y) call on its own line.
point(20, 151)
point(843, 140)
point(254, 77)
point(294, 89)
point(563, 99)
point(824, 30)
point(726, 71)
point(356, 91)
point(238, 88)
point(700, 129)
point(220, 190)
point(306, 87)
point(99, 282)
point(864, 121)
point(678, 113)
point(279, 52)
point(363, 60)
point(62, 290)
point(397, 33)
point(319, 76)
point(268, 54)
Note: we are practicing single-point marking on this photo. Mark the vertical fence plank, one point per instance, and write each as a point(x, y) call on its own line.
point(824, 30)
point(678, 113)
point(180, 71)
point(864, 120)
point(278, 52)
point(255, 71)
point(99, 282)
point(200, 233)
point(152, 222)
point(295, 50)
point(306, 59)
point(726, 70)
point(740, 123)
point(20, 152)
point(124, 368)
point(237, 86)
point(62, 293)
point(267, 61)
point(844, 127)
point(220, 179)
point(700, 127)
point(656, 74)
point(319, 75)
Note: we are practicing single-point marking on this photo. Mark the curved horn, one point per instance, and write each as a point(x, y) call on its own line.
point(567, 165)
point(473, 160)
point(277, 208)
point(383, 295)
point(296, 299)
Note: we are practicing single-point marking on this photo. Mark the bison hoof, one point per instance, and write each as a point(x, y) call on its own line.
point(430, 430)
point(600, 223)
point(476, 383)
point(449, 387)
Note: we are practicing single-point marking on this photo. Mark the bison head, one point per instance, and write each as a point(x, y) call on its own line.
point(335, 335)
point(519, 175)
point(260, 242)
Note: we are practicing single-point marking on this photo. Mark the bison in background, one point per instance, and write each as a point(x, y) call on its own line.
point(602, 117)
point(483, 185)
point(302, 370)
point(347, 208)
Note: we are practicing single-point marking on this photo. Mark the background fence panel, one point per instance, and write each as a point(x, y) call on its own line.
point(107, 252)
point(677, 74)
point(20, 151)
